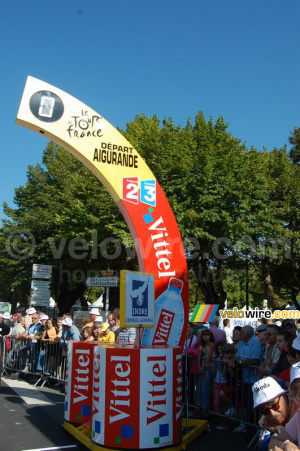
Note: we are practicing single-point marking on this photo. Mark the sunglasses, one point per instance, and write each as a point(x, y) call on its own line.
point(265, 410)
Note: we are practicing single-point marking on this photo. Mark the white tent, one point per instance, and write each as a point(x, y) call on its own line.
point(52, 303)
point(99, 302)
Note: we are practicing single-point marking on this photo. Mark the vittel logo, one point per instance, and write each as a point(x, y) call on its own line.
point(164, 326)
point(119, 408)
point(82, 360)
point(163, 254)
point(156, 404)
point(96, 385)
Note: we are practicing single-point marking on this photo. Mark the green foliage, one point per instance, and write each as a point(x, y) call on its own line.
point(230, 202)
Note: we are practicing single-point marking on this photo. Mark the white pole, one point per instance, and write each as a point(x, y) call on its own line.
point(106, 301)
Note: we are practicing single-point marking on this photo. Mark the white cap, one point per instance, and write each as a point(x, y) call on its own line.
point(5, 315)
point(44, 317)
point(67, 322)
point(295, 371)
point(95, 311)
point(296, 343)
point(265, 390)
point(31, 311)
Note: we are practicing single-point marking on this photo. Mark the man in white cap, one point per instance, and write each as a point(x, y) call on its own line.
point(276, 407)
point(71, 331)
point(28, 317)
point(289, 438)
point(95, 317)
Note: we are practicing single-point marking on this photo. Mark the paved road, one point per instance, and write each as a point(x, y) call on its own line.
point(31, 420)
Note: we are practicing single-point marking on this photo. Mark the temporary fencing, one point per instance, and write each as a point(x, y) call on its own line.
point(41, 358)
point(223, 389)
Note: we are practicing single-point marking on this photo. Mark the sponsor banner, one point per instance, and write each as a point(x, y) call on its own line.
point(122, 405)
point(177, 395)
point(159, 248)
point(156, 397)
point(99, 395)
point(78, 402)
point(106, 152)
point(136, 299)
point(137, 394)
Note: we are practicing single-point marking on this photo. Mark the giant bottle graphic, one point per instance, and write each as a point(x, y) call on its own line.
point(169, 317)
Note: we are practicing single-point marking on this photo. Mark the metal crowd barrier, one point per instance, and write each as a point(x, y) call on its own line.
point(230, 401)
point(45, 360)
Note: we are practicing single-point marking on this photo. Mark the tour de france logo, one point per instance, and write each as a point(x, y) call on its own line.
point(139, 297)
point(46, 106)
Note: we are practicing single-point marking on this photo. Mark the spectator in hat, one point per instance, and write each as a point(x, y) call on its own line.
point(95, 316)
point(289, 438)
point(275, 406)
point(28, 317)
point(106, 335)
point(71, 331)
point(32, 334)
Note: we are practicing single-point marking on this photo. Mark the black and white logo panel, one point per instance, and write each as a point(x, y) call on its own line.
point(46, 106)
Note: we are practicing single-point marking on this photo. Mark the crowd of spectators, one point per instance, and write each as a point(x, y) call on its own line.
point(37, 344)
point(251, 376)
point(245, 375)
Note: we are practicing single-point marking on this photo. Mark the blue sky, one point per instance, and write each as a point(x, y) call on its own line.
point(239, 59)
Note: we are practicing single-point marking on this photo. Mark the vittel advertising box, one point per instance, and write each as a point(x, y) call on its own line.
point(137, 397)
point(78, 399)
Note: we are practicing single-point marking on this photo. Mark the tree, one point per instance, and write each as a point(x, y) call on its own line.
point(73, 222)
point(233, 205)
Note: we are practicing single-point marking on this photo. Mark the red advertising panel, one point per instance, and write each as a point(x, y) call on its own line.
point(78, 401)
point(137, 397)
point(122, 405)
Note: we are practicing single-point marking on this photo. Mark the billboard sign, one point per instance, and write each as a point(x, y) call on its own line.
point(88, 136)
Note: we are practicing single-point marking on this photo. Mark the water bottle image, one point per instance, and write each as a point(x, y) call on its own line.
point(169, 317)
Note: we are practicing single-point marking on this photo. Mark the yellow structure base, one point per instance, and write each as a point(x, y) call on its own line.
point(82, 433)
